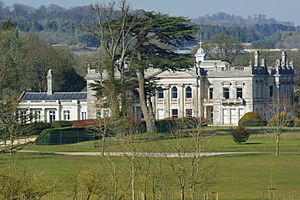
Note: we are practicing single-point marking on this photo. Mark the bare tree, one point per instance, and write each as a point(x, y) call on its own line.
point(223, 47)
point(139, 169)
point(13, 125)
point(281, 110)
point(196, 172)
point(102, 129)
point(114, 30)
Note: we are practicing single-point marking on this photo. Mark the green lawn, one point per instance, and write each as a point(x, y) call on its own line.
point(246, 177)
point(237, 177)
point(218, 141)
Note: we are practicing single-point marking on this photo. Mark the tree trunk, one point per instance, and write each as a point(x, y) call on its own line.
point(133, 182)
point(103, 144)
point(182, 196)
point(149, 118)
point(112, 94)
point(277, 152)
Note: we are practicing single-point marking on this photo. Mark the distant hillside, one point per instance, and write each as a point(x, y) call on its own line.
point(225, 19)
point(55, 24)
point(260, 30)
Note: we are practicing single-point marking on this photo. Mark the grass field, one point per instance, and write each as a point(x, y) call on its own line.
point(218, 141)
point(246, 177)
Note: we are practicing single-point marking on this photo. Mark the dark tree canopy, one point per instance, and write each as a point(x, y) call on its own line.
point(26, 60)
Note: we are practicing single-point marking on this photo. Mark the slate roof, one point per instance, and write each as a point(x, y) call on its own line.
point(54, 96)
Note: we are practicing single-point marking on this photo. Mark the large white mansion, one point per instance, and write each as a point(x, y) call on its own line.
point(212, 89)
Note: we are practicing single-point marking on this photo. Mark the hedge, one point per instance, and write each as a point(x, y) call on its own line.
point(172, 124)
point(69, 135)
point(37, 127)
point(296, 122)
point(61, 124)
point(251, 119)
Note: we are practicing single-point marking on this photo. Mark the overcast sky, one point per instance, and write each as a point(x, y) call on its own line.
point(282, 10)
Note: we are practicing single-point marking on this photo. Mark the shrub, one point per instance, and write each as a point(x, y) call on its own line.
point(61, 124)
point(20, 183)
point(240, 134)
point(297, 122)
point(251, 119)
point(281, 119)
point(88, 122)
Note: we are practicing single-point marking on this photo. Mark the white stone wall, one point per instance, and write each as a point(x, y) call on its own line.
point(77, 110)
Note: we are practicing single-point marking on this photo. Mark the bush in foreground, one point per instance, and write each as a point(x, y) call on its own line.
point(240, 134)
point(21, 183)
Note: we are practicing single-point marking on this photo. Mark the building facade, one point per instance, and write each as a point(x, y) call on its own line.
point(222, 94)
point(212, 90)
point(53, 106)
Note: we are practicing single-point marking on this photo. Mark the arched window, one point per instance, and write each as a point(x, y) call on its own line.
point(188, 92)
point(174, 92)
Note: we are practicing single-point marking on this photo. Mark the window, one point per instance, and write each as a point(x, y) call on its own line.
point(239, 92)
point(174, 113)
point(66, 115)
point(23, 116)
point(106, 113)
point(98, 114)
point(51, 116)
point(36, 116)
point(271, 91)
point(188, 92)
point(189, 112)
point(211, 93)
point(83, 115)
point(226, 93)
point(160, 94)
point(174, 94)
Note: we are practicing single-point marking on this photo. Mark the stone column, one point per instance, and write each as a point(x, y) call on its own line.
point(78, 110)
point(59, 112)
point(44, 113)
point(181, 96)
point(201, 97)
point(167, 102)
point(195, 100)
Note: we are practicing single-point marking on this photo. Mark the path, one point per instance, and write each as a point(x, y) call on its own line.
point(141, 154)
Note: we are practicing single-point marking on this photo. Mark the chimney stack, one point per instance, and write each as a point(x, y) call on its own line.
point(256, 59)
point(49, 82)
point(283, 59)
point(263, 62)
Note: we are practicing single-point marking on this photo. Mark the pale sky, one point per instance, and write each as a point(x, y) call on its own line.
point(282, 10)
